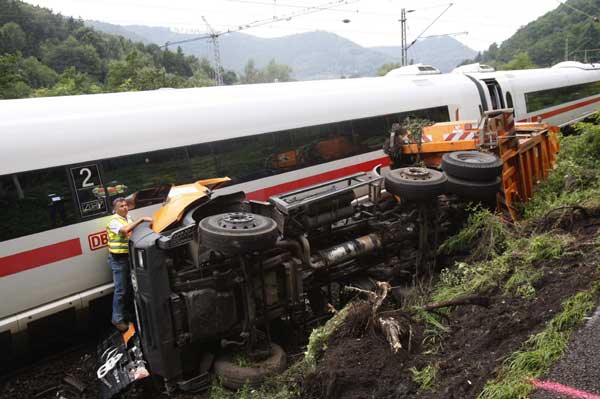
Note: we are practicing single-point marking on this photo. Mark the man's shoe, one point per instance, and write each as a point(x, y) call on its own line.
point(122, 326)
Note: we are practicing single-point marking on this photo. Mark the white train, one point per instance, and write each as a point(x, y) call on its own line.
point(64, 158)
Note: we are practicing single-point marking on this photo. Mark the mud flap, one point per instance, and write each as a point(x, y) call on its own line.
point(120, 362)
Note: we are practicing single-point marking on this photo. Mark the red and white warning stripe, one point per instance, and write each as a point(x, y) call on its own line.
point(456, 136)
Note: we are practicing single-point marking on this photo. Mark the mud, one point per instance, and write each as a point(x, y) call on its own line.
point(478, 342)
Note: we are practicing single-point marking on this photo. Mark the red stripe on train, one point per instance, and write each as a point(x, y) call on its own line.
point(265, 193)
point(67, 249)
point(563, 109)
point(39, 257)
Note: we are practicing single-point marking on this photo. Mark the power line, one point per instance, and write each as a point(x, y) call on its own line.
point(594, 17)
point(340, 10)
point(258, 23)
point(429, 26)
point(445, 34)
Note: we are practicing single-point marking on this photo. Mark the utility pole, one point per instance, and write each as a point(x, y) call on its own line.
point(404, 50)
point(566, 49)
point(403, 26)
point(214, 37)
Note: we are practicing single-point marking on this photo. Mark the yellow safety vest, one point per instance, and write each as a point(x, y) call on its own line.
point(117, 243)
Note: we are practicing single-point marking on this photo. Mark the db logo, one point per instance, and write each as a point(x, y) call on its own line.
point(98, 240)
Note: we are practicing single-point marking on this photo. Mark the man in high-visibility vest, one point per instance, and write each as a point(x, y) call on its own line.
point(118, 231)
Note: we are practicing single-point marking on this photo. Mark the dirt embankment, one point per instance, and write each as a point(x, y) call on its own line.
point(358, 363)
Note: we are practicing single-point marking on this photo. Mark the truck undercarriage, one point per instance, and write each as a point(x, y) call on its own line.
point(213, 282)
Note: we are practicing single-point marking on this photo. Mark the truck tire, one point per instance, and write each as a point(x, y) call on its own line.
point(414, 183)
point(472, 165)
point(475, 190)
point(234, 377)
point(237, 232)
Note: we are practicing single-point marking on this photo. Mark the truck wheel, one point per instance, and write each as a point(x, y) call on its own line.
point(237, 232)
point(472, 165)
point(234, 376)
point(415, 183)
point(475, 190)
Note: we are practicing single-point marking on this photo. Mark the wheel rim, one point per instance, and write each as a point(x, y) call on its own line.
point(237, 221)
point(416, 174)
point(473, 157)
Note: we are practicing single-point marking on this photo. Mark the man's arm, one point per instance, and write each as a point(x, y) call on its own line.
point(128, 227)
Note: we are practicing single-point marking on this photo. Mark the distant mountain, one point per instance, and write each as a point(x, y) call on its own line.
point(116, 30)
point(444, 53)
point(312, 55)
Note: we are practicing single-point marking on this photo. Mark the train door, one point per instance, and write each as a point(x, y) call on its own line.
point(495, 94)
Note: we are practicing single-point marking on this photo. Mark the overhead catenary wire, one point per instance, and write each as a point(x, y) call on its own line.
point(566, 4)
point(338, 10)
point(263, 22)
point(430, 25)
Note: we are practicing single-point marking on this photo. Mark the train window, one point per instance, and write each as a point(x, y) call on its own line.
point(548, 98)
point(285, 155)
point(298, 148)
point(325, 143)
point(202, 162)
point(370, 132)
point(509, 100)
point(35, 201)
point(435, 114)
point(243, 159)
point(132, 173)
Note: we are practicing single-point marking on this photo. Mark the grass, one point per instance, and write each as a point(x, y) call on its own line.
point(242, 360)
point(426, 378)
point(511, 264)
point(484, 236)
point(319, 337)
point(541, 350)
point(576, 176)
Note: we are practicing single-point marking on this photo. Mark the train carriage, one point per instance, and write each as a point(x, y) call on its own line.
point(65, 158)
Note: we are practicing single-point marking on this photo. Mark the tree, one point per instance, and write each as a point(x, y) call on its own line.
point(12, 38)
point(275, 72)
point(177, 63)
point(71, 82)
point(385, 68)
point(37, 74)
point(119, 71)
point(492, 52)
point(519, 61)
point(13, 83)
point(71, 53)
point(251, 74)
point(230, 78)
point(137, 72)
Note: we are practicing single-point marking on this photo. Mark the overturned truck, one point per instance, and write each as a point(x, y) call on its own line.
point(214, 274)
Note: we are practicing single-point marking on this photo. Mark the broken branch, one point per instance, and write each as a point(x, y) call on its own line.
point(466, 300)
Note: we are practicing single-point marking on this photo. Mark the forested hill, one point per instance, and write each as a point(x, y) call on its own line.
point(572, 26)
point(45, 54)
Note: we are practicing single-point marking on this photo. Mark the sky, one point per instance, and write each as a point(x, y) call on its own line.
point(369, 23)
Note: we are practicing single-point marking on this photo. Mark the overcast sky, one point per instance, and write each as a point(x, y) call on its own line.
point(366, 22)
